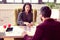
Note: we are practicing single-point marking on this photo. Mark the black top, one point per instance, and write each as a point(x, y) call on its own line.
point(25, 18)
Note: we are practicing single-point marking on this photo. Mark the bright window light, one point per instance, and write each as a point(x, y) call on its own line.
point(0, 0)
point(18, 1)
point(34, 1)
point(25, 1)
point(57, 1)
point(10, 0)
point(55, 13)
point(44, 0)
point(51, 0)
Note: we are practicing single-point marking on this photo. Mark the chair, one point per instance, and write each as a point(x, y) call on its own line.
point(20, 10)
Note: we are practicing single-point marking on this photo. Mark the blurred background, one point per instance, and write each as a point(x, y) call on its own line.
point(8, 9)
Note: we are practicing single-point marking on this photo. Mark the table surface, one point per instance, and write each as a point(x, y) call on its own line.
point(18, 31)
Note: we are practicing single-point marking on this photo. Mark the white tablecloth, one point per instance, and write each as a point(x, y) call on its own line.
point(18, 31)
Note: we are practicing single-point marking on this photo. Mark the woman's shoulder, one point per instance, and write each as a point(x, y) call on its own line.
point(21, 12)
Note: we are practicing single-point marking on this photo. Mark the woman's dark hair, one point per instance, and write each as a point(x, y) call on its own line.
point(29, 5)
point(45, 11)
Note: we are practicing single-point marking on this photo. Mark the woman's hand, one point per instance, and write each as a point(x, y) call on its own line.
point(26, 23)
point(30, 24)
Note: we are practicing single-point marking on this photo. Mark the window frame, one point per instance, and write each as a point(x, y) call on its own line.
point(19, 3)
point(39, 2)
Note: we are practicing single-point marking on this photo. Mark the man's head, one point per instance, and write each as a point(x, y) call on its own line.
point(45, 12)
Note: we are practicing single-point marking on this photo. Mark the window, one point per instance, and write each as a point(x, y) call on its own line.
point(44, 0)
point(0, 0)
point(34, 1)
point(9, 1)
point(14, 1)
point(31, 1)
point(51, 0)
point(57, 1)
point(47, 0)
point(18, 1)
point(55, 13)
point(26, 1)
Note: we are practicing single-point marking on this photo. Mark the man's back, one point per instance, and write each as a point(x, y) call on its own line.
point(48, 30)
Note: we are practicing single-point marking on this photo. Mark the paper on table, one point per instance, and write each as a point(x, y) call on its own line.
point(2, 29)
point(31, 32)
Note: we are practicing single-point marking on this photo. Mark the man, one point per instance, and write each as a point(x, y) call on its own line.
point(49, 29)
point(1, 39)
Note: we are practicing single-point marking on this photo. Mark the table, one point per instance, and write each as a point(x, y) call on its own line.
point(17, 32)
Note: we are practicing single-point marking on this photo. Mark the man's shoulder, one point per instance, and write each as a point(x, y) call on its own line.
point(41, 25)
point(57, 22)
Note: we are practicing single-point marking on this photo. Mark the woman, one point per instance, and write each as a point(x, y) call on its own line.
point(26, 16)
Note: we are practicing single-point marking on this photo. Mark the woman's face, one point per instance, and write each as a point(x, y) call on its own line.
point(27, 8)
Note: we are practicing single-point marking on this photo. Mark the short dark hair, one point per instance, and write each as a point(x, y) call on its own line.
point(29, 5)
point(45, 11)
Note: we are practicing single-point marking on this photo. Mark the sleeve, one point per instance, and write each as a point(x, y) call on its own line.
point(38, 34)
point(19, 19)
